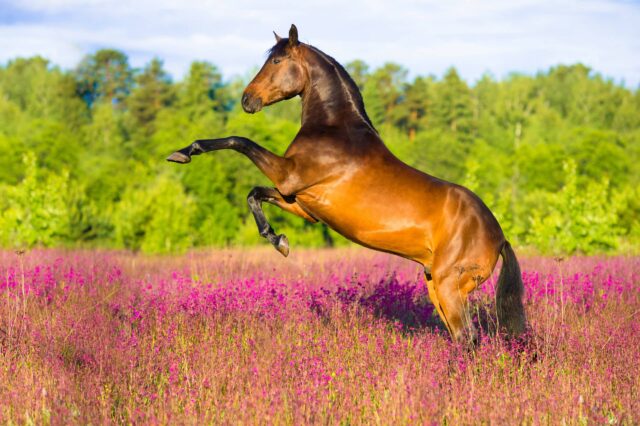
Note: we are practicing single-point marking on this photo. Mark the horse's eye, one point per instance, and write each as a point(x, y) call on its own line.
point(276, 61)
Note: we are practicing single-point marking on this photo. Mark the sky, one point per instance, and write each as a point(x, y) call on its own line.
point(426, 37)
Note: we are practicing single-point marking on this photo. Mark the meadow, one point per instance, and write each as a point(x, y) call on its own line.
point(323, 337)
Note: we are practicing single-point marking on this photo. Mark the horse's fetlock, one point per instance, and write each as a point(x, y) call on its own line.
point(266, 231)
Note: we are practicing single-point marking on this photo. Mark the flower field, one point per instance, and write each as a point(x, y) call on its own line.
point(324, 337)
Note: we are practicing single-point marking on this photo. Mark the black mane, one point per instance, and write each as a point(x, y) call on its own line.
point(352, 87)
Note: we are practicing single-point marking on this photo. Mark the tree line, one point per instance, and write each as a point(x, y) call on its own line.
point(554, 155)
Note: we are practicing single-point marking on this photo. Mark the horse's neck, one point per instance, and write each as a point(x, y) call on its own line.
point(320, 108)
point(331, 99)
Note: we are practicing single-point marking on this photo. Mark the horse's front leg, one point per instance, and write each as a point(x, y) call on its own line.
point(260, 194)
point(273, 166)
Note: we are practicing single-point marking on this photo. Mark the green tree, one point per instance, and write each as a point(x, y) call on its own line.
point(582, 97)
point(359, 71)
point(452, 107)
point(105, 75)
point(575, 219)
point(411, 114)
point(627, 116)
point(204, 91)
point(106, 167)
point(42, 91)
point(383, 91)
point(506, 139)
point(153, 92)
point(154, 217)
point(38, 210)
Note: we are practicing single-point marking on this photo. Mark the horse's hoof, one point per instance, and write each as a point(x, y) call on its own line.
point(178, 157)
point(283, 245)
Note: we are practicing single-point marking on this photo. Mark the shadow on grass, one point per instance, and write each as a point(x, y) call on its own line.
point(405, 303)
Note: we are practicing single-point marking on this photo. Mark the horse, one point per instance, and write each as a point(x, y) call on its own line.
point(338, 171)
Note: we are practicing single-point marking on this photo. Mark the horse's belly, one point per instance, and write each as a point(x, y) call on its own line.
point(387, 225)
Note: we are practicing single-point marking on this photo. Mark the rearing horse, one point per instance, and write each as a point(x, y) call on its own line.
point(338, 171)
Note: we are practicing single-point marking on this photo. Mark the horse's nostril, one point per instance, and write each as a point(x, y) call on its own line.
point(251, 103)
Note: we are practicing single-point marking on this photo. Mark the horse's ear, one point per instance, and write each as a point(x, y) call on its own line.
point(278, 38)
point(293, 36)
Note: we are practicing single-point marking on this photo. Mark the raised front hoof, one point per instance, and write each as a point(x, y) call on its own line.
point(282, 245)
point(178, 157)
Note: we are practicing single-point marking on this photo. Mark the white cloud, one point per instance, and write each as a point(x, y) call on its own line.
point(425, 36)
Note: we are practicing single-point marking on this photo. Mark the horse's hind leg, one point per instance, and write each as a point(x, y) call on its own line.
point(260, 194)
point(433, 296)
point(452, 287)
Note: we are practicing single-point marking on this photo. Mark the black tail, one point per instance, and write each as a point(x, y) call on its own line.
point(511, 318)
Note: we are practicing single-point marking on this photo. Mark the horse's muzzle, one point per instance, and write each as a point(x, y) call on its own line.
point(251, 103)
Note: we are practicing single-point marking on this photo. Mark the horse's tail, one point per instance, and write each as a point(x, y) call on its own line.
point(511, 317)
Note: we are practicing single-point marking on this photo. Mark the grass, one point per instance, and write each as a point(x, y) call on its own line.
point(345, 336)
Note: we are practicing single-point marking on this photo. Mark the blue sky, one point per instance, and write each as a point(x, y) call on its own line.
point(427, 37)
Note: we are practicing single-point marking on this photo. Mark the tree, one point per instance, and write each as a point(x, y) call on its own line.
point(575, 219)
point(98, 174)
point(106, 168)
point(516, 103)
point(42, 91)
point(383, 92)
point(37, 211)
point(153, 93)
point(39, 114)
point(105, 75)
point(581, 96)
point(411, 113)
point(358, 70)
point(204, 91)
point(627, 116)
point(599, 154)
point(154, 217)
point(452, 104)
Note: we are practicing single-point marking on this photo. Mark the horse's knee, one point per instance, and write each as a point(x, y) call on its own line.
point(253, 195)
point(238, 143)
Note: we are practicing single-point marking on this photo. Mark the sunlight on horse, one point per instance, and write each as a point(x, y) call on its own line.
point(338, 171)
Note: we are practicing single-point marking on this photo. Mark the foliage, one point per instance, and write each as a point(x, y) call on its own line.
point(153, 93)
point(105, 75)
point(105, 128)
point(38, 210)
point(575, 219)
point(155, 217)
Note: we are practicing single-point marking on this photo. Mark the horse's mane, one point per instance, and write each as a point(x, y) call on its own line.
point(351, 87)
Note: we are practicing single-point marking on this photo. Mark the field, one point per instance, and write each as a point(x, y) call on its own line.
point(345, 336)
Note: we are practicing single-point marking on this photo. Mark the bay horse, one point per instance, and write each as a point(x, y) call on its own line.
point(337, 170)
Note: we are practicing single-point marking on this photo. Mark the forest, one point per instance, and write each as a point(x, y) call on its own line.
point(554, 155)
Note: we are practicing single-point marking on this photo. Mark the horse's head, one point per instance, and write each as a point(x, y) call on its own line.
point(282, 76)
